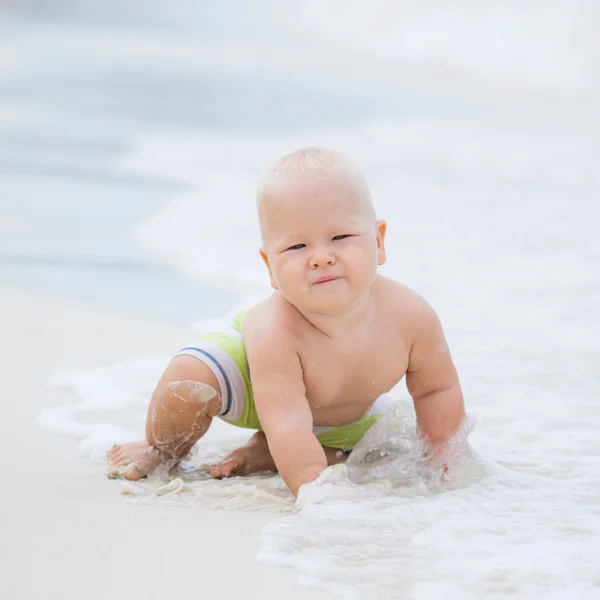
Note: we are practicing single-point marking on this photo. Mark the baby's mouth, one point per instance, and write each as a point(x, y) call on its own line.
point(325, 279)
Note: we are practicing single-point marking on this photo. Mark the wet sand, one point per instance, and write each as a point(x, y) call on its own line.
point(67, 532)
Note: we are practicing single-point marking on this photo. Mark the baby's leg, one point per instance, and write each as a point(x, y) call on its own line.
point(255, 456)
point(181, 409)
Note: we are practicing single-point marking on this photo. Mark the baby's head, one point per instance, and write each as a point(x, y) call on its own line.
point(321, 240)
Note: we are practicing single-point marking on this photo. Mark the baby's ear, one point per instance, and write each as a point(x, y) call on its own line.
point(380, 231)
point(265, 258)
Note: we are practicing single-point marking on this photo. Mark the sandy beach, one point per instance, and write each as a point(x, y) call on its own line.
point(67, 531)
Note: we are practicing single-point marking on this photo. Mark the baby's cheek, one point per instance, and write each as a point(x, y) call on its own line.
point(289, 274)
point(362, 257)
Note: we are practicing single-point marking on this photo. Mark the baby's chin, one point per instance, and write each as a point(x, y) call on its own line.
point(328, 304)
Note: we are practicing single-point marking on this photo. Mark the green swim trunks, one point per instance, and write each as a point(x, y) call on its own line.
point(225, 355)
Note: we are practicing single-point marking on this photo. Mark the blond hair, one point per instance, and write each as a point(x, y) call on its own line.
point(309, 164)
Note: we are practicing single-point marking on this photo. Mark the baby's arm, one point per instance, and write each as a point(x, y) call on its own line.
point(280, 398)
point(432, 380)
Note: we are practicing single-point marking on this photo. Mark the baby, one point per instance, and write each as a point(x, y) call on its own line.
point(310, 365)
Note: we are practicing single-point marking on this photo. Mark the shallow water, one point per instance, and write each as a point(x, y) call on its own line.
point(519, 518)
point(484, 164)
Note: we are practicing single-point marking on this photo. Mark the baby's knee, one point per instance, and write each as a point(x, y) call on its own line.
point(190, 397)
point(184, 407)
point(191, 392)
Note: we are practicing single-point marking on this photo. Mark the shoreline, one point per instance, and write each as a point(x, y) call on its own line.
point(61, 510)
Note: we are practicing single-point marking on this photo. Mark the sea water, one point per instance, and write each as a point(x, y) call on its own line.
point(491, 193)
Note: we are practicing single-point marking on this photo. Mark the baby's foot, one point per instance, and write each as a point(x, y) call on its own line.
point(251, 458)
point(133, 460)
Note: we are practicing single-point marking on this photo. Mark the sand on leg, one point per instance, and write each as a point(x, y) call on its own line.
point(185, 400)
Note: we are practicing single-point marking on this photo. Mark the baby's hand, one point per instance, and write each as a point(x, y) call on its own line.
point(436, 459)
point(442, 456)
point(331, 482)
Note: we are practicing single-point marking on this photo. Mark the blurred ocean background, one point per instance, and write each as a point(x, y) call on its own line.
point(80, 83)
point(199, 94)
point(132, 137)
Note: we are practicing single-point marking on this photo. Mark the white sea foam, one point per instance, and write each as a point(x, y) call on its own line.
point(384, 528)
point(383, 525)
point(493, 216)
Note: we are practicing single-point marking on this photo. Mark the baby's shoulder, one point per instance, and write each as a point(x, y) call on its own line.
point(409, 309)
point(398, 295)
point(272, 321)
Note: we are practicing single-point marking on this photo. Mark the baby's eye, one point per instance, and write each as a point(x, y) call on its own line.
point(296, 247)
point(341, 237)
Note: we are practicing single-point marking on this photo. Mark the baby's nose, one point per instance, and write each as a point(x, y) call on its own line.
point(322, 257)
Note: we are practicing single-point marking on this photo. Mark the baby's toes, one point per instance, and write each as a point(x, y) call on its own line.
point(113, 451)
point(115, 456)
point(134, 472)
point(114, 471)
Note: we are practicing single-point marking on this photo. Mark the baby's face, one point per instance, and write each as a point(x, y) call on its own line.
point(322, 246)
